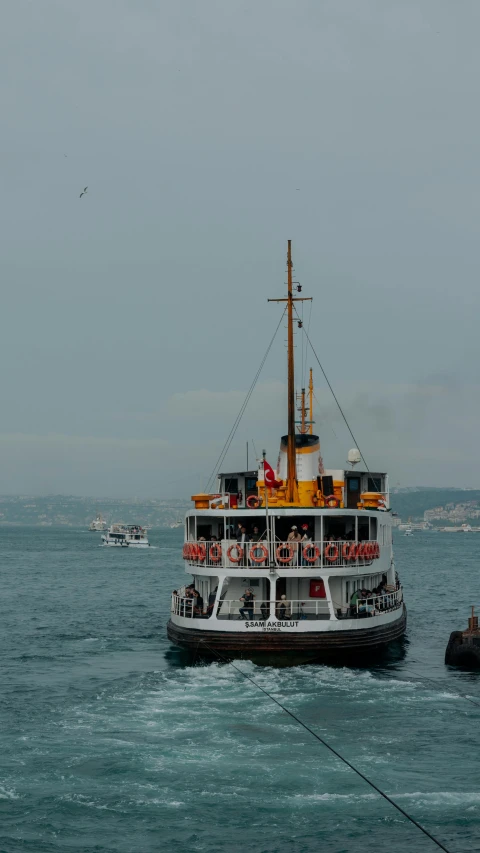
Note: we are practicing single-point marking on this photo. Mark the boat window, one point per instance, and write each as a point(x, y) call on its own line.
point(363, 529)
point(283, 526)
point(374, 484)
point(231, 484)
point(373, 528)
point(339, 527)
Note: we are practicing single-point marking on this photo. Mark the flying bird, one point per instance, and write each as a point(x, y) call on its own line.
point(83, 193)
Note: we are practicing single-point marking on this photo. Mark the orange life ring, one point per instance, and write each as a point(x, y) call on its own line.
point(253, 502)
point(377, 550)
point(186, 551)
point(215, 552)
point(347, 550)
point(284, 546)
point(336, 502)
point(353, 553)
point(258, 547)
point(331, 557)
point(239, 551)
point(362, 550)
point(307, 552)
point(201, 552)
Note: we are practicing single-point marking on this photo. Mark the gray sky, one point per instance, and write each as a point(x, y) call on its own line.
point(134, 319)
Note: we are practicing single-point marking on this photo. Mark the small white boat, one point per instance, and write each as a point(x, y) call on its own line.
point(99, 525)
point(175, 524)
point(126, 536)
point(408, 531)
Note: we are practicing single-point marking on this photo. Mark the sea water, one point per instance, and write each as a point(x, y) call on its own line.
point(108, 742)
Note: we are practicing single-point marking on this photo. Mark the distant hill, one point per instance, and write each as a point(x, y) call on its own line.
point(412, 504)
point(72, 511)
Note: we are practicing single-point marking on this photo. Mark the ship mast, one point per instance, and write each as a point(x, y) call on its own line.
point(291, 486)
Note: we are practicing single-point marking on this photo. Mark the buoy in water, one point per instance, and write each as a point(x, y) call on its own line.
point(463, 648)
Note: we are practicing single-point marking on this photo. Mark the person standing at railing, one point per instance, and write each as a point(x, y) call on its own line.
point(283, 608)
point(294, 538)
point(243, 538)
point(248, 598)
point(256, 537)
point(305, 538)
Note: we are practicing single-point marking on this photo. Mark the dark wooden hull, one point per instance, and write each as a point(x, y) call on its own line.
point(348, 647)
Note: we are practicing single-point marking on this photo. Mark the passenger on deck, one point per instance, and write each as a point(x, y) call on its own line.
point(283, 607)
point(197, 604)
point(365, 604)
point(294, 538)
point(256, 535)
point(248, 598)
point(306, 537)
point(265, 609)
point(243, 538)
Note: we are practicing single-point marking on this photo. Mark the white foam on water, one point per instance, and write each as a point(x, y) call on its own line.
point(441, 798)
point(8, 793)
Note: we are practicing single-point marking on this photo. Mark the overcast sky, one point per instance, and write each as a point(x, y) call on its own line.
point(209, 132)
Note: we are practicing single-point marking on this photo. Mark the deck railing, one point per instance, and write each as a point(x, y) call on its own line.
point(267, 553)
point(230, 609)
point(374, 604)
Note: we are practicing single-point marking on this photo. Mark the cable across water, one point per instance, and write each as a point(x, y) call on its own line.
point(332, 750)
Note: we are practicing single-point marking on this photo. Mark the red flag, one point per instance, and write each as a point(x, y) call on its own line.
point(269, 474)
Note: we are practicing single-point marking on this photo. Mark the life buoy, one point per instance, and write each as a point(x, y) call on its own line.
point(331, 552)
point(347, 550)
point(360, 551)
point(215, 552)
point(377, 550)
point(285, 546)
point(382, 503)
point(186, 551)
point(258, 547)
point(253, 502)
point(201, 552)
point(328, 501)
point(239, 551)
point(311, 552)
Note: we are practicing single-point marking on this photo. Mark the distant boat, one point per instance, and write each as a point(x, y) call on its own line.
point(126, 536)
point(408, 531)
point(99, 525)
point(177, 523)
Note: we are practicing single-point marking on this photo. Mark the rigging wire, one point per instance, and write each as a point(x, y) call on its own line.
point(336, 400)
point(306, 342)
point(319, 405)
point(332, 392)
point(332, 750)
point(244, 405)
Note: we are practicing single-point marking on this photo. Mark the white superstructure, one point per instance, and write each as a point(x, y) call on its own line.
point(292, 564)
point(126, 536)
point(99, 525)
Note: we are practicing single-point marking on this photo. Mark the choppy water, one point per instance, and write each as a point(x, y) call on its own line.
point(108, 743)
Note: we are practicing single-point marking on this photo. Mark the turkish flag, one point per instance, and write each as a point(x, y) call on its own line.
point(269, 474)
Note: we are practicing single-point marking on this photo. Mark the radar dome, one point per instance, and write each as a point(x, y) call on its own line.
point(354, 456)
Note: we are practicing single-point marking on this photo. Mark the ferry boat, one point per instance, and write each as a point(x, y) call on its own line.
point(293, 565)
point(126, 536)
point(99, 525)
